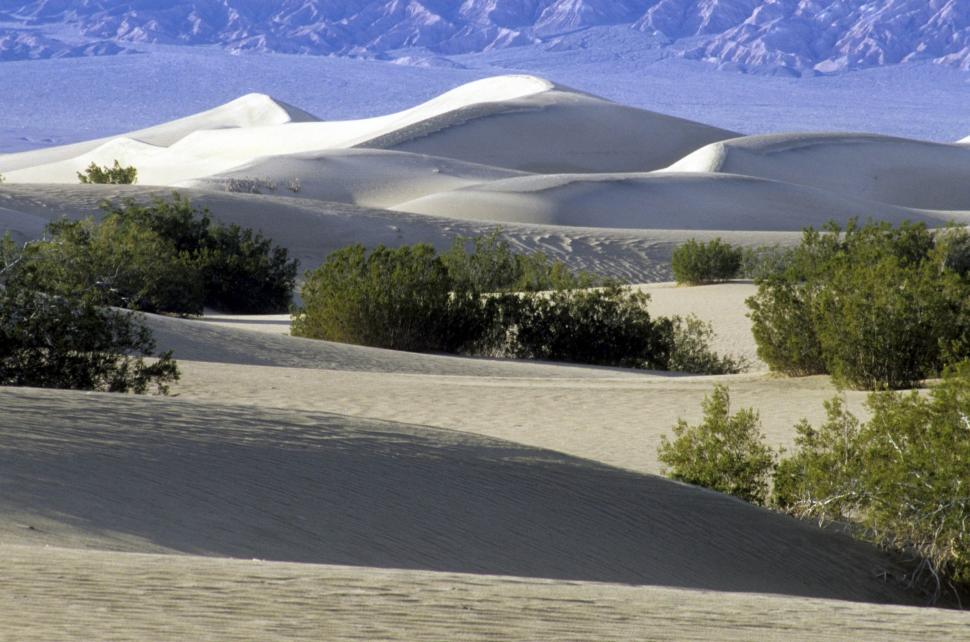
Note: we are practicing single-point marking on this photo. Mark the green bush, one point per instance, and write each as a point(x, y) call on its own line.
point(763, 261)
point(698, 263)
point(399, 299)
point(724, 452)
point(412, 299)
point(691, 349)
point(116, 175)
point(875, 306)
point(903, 476)
point(164, 256)
point(120, 263)
point(492, 266)
point(607, 326)
point(56, 341)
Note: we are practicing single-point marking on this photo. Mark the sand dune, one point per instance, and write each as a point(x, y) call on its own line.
point(558, 130)
point(432, 496)
point(234, 481)
point(59, 594)
point(708, 201)
point(514, 122)
point(371, 178)
point(252, 110)
point(903, 172)
point(312, 229)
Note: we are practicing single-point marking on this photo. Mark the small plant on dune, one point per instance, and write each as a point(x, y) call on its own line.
point(251, 185)
point(386, 298)
point(696, 263)
point(724, 452)
point(69, 341)
point(488, 263)
point(903, 477)
point(115, 175)
point(691, 351)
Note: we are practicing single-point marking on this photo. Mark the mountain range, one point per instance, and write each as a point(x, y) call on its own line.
point(776, 36)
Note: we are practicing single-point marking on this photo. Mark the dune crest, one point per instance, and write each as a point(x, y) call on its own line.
point(513, 122)
point(904, 172)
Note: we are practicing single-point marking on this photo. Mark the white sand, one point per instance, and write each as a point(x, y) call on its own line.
point(367, 177)
point(707, 201)
point(507, 121)
point(903, 172)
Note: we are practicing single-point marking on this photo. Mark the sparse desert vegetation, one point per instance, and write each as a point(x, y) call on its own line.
point(476, 375)
point(105, 175)
point(481, 298)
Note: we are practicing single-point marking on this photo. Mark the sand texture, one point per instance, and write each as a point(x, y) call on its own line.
point(299, 489)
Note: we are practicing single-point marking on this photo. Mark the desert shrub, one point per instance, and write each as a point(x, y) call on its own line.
point(398, 299)
point(691, 349)
point(607, 326)
point(696, 263)
point(67, 341)
point(493, 266)
point(955, 244)
point(164, 256)
point(119, 263)
point(762, 261)
point(484, 301)
point(875, 306)
point(903, 476)
point(724, 452)
point(115, 175)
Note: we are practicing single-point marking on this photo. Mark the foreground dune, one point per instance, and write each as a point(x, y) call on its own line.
point(902, 172)
point(60, 594)
point(231, 481)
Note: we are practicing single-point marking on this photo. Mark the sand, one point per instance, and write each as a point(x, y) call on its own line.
point(898, 171)
point(298, 489)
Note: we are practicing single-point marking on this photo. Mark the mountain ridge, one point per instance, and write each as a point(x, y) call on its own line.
point(795, 37)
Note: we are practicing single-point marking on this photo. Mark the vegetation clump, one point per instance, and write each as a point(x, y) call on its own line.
point(696, 263)
point(900, 479)
point(903, 476)
point(69, 341)
point(164, 256)
point(104, 175)
point(479, 297)
point(725, 452)
point(877, 307)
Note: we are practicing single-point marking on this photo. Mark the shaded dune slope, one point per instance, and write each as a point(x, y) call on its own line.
point(903, 172)
point(371, 178)
point(200, 340)
point(294, 486)
point(555, 131)
point(310, 229)
point(705, 201)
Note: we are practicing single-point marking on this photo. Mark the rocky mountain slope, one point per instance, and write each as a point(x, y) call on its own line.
point(788, 36)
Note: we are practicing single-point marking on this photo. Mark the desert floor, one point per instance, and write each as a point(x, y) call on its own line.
point(299, 489)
